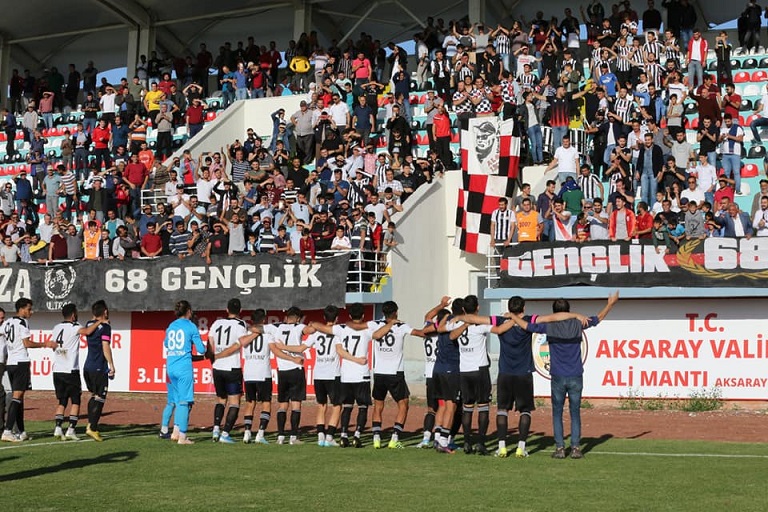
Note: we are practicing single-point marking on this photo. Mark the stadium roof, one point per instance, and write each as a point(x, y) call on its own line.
point(42, 33)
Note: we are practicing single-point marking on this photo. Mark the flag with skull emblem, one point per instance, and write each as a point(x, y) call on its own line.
point(490, 163)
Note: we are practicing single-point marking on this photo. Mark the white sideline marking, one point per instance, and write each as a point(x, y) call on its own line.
point(702, 455)
point(24, 444)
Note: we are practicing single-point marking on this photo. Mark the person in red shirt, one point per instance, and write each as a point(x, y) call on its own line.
point(146, 156)
point(102, 136)
point(731, 102)
point(276, 60)
point(165, 85)
point(725, 188)
point(151, 243)
point(195, 117)
point(643, 221)
point(441, 133)
point(135, 176)
point(307, 246)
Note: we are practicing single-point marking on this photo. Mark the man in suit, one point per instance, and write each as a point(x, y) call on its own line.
point(737, 223)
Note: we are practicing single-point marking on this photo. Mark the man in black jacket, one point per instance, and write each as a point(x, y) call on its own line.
point(650, 162)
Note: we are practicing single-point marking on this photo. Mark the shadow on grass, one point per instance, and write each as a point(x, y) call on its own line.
point(108, 458)
point(548, 442)
point(8, 459)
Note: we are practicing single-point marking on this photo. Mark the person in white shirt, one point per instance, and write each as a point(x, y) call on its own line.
point(706, 178)
point(341, 241)
point(762, 119)
point(562, 221)
point(566, 159)
point(180, 202)
point(760, 220)
point(339, 112)
point(693, 192)
point(598, 221)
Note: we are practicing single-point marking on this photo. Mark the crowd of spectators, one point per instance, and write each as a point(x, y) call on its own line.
point(321, 180)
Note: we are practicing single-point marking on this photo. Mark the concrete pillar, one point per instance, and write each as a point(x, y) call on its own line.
point(141, 41)
point(5, 71)
point(302, 18)
point(477, 11)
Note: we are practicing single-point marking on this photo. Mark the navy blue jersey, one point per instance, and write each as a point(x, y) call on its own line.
point(515, 355)
point(564, 340)
point(95, 361)
point(447, 360)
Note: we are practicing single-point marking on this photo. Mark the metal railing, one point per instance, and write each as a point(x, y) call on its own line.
point(493, 264)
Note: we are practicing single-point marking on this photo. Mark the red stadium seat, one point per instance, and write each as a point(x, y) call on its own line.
point(455, 137)
point(210, 116)
point(742, 122)
point(750, 171)
point(759, 76)
point(19, 135)
point(3, 138)
point(749, 120)
point(741, 77)
point(422, 139)
point(693, 124)
point(413, 99)
point(381, 142)
point(663, 123)
point(22, 168)
point(10, 170)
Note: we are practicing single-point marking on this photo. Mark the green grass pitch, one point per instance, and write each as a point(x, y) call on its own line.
point(133, 470)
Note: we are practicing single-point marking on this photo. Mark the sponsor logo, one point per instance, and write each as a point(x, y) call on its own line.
point(541, 359)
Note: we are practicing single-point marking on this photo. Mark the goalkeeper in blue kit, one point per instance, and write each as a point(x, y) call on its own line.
point(180, 336)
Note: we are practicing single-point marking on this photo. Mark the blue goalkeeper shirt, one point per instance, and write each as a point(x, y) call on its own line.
point(179, 338)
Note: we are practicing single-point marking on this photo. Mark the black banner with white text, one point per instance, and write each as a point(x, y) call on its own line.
point(712, 262)
point(264, 281)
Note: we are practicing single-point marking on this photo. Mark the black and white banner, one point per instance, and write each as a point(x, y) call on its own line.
point(713, 262)
point(262, 281)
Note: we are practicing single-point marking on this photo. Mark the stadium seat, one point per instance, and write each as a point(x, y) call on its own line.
point(381, 142)
point(423, 99)
point(735, 64)
point(756, 152)
point(712, 66)
point(764, 62)
point(456, 124)
point(693, 124)
point(663, 123)
point(691, 108)
point(759, 76)
point(22, 168)
point(742, 121)
point(413, 99)
point(210, 116)
point(3, 138)
point(749, 120)
point(741, 77)
point(746, 106)
point(422, 139)
point(416, 125)
point(456, 137)
point(749, 171)
point(748, 64)
point(743, 152)
point(751, 90)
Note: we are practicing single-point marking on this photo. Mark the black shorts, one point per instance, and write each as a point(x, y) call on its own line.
point(432, 401)
point(395, 385)
point(228, 382)
point(515, 390)
point(97, 383)
point(476, 387)
point(447, 386)
point(328, 391)
point(68, 387)
point(20, 376)
point(356, 392)
point(258, 390)
point(291, 385)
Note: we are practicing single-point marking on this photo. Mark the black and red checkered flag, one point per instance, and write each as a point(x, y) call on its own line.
point(490, 162)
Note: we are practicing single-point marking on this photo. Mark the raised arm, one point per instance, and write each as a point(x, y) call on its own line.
point(612, 300)
point(432, 313)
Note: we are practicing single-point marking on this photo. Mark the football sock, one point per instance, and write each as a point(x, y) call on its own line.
point(59, 420)
point(248, 423)
point(73, 422)
point(429, 423)
point(458, 417)
point(167, 413)
point(362, 419)
point(524, 426)
point(376, 429)
point(466, 423)
point(232, 413)
point(398, 432)
point(281, 417)
point(263, 422)
point(502, 426)
point(218, 415)
point(295, 422)
point(98, 407)
point(20, 416)
point(330, 432)
point(346, 416)
point(483, 418)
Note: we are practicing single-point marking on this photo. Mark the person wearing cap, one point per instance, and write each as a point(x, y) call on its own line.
point(305, 133)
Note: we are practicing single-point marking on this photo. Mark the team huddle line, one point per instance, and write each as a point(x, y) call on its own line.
point(457, 372)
